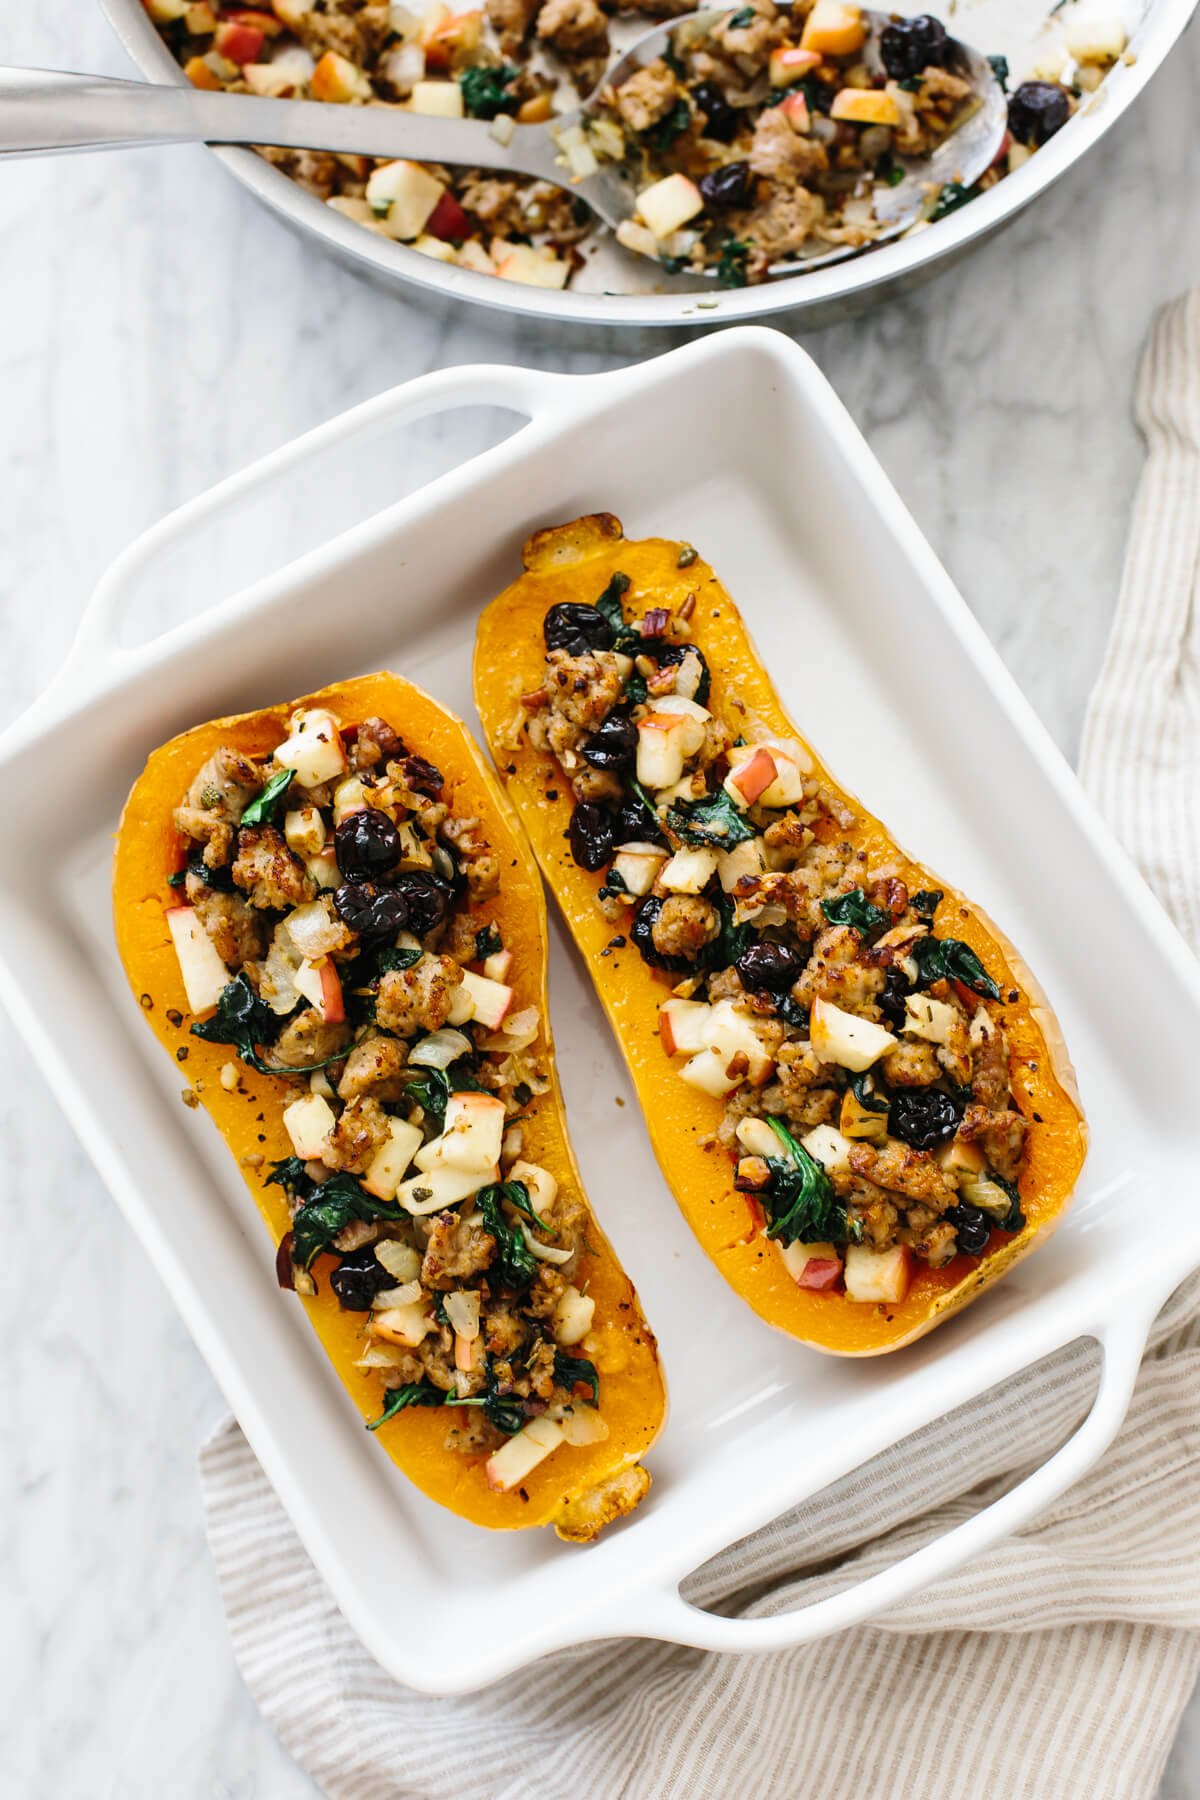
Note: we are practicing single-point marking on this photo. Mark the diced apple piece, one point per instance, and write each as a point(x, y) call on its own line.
point(669, 203)
point(933, 1020)
point(756, 1136)
point(405, 1325)
point(689, 871)
point(751, 771)
point(165, 12)
point(746, 858)
point(438, 99)
point(1095, 40)
point(707, 1070)
point(531, 267)
point(435, 1189)
point(959, 1158)
point(313, 748)
point(349, 796)
point(324, 870)
point(828, 1147)
point(471, 1136)
point(573, 1315)
point(304, 831)
point(794, 108)
point(510, 1465)
point(321, 986)
point(540, 1183)
point(816, 1266)
point(497, 966)
point(404, 195)
point(453, 40)
point(733, 1035)
point(387, 1167)
point(435, 247)
point(788, 64)
point(877, 1274)
point(491, 999)
point(240, 43)
point(682, 1025)
point(660, 753)
point(472, 255)
point(865, 106)
point(833, 29)
point(462, 1006)
point(842, 1037)
point(859, 1122)
point(788, 786)
point(201, 75)
point(308, 1122)
point(695, 718)
point(638, 866)
point(337, 79)
point(205, 976)
point(292, 12)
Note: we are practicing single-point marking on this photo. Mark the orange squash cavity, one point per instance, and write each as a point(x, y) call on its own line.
point(579, 1488)
point(574, 563)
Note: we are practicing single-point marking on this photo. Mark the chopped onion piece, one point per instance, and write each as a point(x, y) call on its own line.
point(502, 128)
point(462, 1310)
point(397, 1296)
point(551, 1253)
point(400, 1260)
point(440, 1049)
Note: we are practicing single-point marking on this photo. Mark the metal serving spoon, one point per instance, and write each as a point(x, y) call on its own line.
point(43, 112)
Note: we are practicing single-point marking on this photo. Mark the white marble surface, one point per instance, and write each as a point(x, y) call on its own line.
point(159, 331)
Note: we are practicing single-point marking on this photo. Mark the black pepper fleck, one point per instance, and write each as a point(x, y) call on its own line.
point(181, 1055)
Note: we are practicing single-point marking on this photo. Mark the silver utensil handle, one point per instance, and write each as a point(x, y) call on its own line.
point(44, 112)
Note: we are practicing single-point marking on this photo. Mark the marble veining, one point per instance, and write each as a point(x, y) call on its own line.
point(159, 330)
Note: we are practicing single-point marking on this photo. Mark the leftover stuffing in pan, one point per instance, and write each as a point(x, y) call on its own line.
point(754, 138)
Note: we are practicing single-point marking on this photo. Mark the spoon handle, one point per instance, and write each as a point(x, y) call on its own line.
point(44, 112)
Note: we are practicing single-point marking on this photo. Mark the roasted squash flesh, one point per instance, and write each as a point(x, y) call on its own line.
point(871, 1116)
point(553, 1456)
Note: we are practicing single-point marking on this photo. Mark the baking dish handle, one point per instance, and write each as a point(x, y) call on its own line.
point(677, 1621)
point(97, 649)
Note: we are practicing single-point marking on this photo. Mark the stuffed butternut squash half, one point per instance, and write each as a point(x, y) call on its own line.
point(861, 1101)
point(331, 920)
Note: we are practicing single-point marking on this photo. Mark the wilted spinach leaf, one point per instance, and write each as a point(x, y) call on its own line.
point(326, 1207)
point(856, 910)
point(926, 903)
point(570, 1370)
point(715, 821)
point(515, 1261)
point(413, 1393)
point(800, 1199)
point(485, 91)
point(261, 809)
point(948, 959)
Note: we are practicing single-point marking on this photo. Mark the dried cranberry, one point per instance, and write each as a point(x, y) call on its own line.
point(372, 912)
point(729, 186)
point(613, 745)
point(575, 628)
point(1036, 111)
point(909, 45)
point(720, 119)
point(634, 823)
point(591, 836)
point(924, 1117)
point(891, 1001)
point(767, 968)
point(973, 1227)
point(641, 931)
point(428, 900)
point(366, 845)
point(358, 1278)
point(422, 777)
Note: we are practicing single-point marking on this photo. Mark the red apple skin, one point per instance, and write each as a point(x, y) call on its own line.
point(666, 1035)
point(755, 776)
point(240, 43)
point(332, 1003)
point(448, 221)
point(821, 1273)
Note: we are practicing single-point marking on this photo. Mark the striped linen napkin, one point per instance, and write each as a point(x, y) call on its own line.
point(1056, 1665)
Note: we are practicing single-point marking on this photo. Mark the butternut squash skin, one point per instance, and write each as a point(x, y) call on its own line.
point(578, 1488)
point(574, 563)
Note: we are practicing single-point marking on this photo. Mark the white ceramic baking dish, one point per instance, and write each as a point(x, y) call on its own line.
point(620, 289)
point(884, 666)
